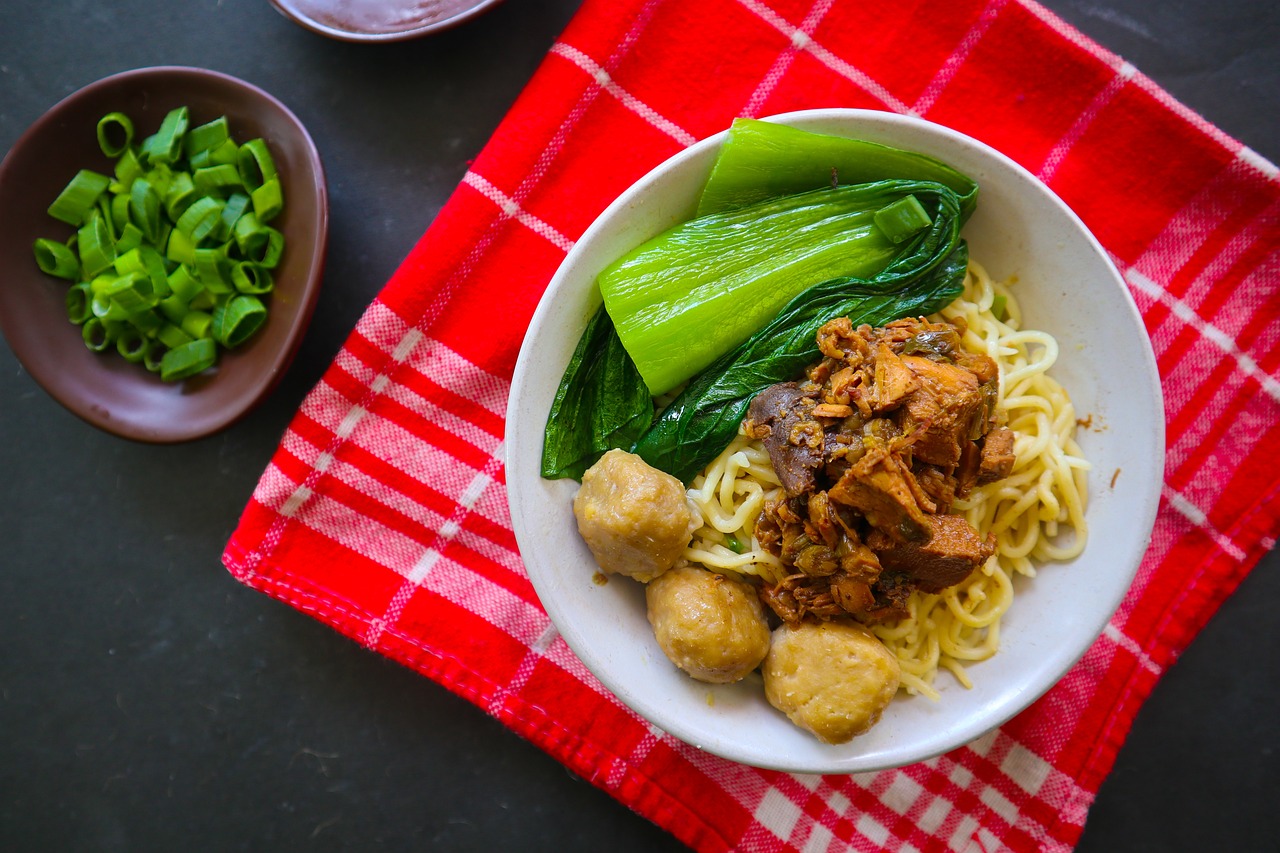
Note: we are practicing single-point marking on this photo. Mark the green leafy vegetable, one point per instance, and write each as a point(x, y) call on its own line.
point(913, 263)
point(761, 160)
point(696, 291)
point(602, 403)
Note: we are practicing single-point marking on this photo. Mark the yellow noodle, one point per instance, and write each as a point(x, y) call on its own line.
point(1037, 513)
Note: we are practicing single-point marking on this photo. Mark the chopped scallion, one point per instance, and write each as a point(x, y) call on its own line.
point(172, 250)
point(56, 259)
point(188, 359)
point(78, 198)
point(115, 133)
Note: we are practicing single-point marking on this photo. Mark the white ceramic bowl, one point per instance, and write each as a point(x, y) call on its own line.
point(1066, 286)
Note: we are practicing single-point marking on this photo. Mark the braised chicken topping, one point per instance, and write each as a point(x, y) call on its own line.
point(873, 448)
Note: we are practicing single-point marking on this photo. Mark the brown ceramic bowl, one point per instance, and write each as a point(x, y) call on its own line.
point(379, 20)
point(104, 389)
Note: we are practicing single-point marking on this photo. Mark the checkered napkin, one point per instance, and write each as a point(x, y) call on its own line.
point(384, 514)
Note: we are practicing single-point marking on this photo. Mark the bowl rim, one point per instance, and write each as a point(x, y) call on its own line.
point(273, 369)
point(289, 11)
point(960, 734)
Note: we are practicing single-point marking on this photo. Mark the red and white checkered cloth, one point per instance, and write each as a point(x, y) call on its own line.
point(384, 513)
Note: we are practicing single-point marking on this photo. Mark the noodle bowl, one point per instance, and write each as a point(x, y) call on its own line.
point(601, 636)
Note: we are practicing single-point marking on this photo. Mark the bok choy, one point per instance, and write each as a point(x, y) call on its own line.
point(731, 301)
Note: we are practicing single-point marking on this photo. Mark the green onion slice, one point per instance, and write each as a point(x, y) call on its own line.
point(97, 251)
point(127, 168)
point(188, 359)
point(235, 207)
point(144, 209)
point(183, 283)
point(79, 303)
point(200, 218)
point(197, 324)
point(268, 200)
point(180, 195)
point(217, 180)
point(213, 268)
point(131, 344)
point(208, 136)
point(95, 334)
point(255, 164)
point(76, 201)
point(235, 322)
point(902, 219)
point(115, 133)
point(56, 258)
point(152, 355)
point(171, 336)
point(165, 145)
point(248, 277)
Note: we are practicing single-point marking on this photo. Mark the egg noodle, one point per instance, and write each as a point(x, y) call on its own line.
point(1036, 513)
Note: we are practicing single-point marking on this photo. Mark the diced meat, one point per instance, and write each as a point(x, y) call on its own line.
point(798, 596)
point(893, 380)
point(873, 449)
point(966, 473)
point(842, 447)
point(938, 485)
point(997, 456)
point(949, 556)
point(944, 408)
point(781, 416)
point(838, 339)
point(832, 410)
point(876, 485)
point(932, 340)
point(853, 595)
point(891, 591)
point(982, 366)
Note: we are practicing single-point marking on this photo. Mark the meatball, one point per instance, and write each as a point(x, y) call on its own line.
point(634, 518)
point(709, 625)
point(833, 679)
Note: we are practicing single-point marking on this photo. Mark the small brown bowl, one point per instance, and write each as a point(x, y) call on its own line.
point(104, 389)
point(379, 20)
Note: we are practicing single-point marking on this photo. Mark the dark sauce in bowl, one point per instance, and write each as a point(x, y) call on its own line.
point(379, 20)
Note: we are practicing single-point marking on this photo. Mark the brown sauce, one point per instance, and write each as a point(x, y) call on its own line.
point(376, 16)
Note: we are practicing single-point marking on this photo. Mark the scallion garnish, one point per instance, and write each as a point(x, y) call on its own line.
point(171, 253)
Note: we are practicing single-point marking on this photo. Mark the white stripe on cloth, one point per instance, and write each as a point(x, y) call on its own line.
point(512, 210)
point(1124, 641)
point(1124, 73)
point(1143, 82)
point(537, 650)
point(1196, 516)
point(492, 602)
point(802, 41)
point(403, 451)
point(479, 438)
point(1220, 339)
point(385, 330)
point(605, 81)
point(957, 58)
point(803, 35)
point(1187, 231)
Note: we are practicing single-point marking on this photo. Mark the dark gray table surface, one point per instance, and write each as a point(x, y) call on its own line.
point(149, 702)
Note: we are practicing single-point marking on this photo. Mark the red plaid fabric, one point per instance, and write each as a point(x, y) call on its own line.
point(384, 514)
